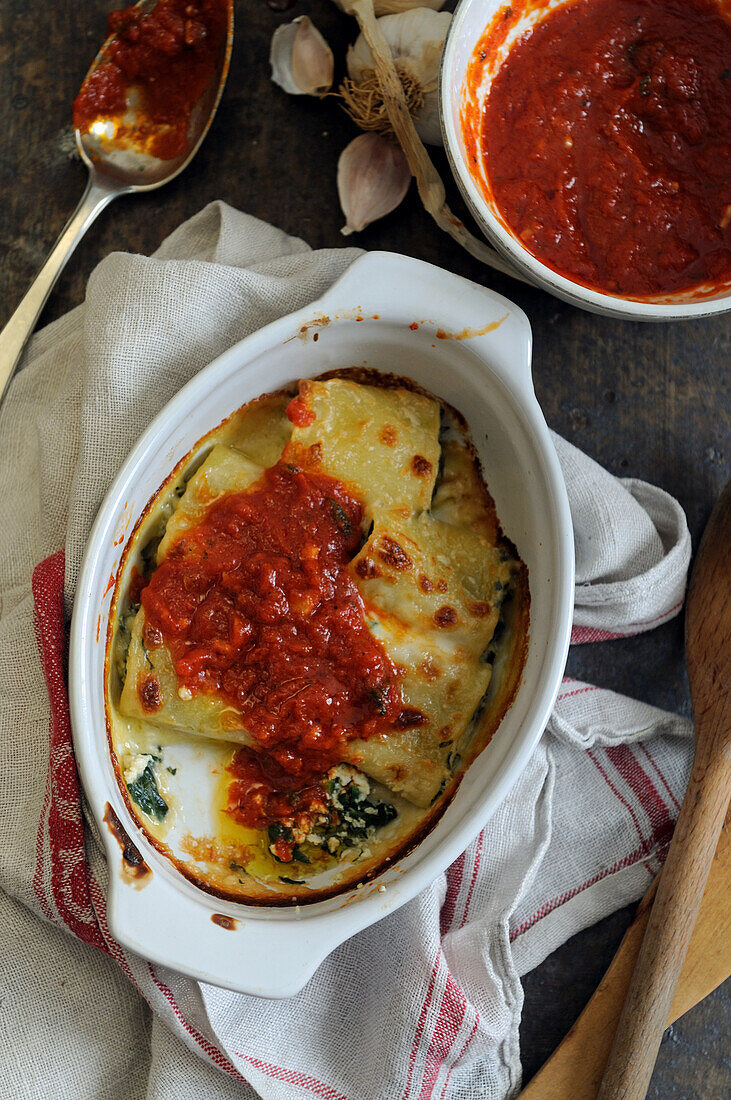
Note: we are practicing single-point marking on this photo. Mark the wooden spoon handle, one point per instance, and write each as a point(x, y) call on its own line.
point(670, 926)
point(576, 1067)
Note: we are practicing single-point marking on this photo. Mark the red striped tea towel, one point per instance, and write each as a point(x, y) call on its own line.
point(425, 1004)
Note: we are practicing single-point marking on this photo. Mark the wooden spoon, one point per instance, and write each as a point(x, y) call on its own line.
point(673, 915)
point(576, 1066)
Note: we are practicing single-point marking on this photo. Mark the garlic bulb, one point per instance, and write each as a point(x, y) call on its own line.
point(391, 7)
point(373, 177)
point(302, 62)
point(416, 39)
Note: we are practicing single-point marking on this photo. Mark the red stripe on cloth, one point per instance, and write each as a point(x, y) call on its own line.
point(657, 618)
point(206, 1045)
point(468, 1040)
point(581, 634)
point(473, 880)
point(635, 820)
point(69, 871)
point(578, 691)
point(628, 766)
point(451, 1016)
point(454, 883)
point(629, 769)
point(420, 1024)
point(39, 888)
point(634, 857)
point(653, 764)
point(293, 1077)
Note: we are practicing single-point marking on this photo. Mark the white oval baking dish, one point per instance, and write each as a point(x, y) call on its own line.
point(384, 313)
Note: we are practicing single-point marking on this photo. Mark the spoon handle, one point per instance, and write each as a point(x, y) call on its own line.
point(701, 818)
point(14, 336)
point(672, 919)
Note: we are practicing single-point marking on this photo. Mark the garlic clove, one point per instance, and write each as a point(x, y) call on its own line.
point(416, 40)
point(280, 57)
point(373, 177)
point(312, 60)
point(391, 7)
point(301, 60)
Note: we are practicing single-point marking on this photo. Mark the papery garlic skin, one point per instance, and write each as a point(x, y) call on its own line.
point(301, 60)
point(373, 177)
point(416, 39)
point(392, 7)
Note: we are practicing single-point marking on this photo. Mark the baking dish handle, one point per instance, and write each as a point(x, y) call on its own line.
point(264, 953)
point(440, 303)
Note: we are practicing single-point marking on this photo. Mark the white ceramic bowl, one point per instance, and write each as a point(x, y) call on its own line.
point(364, 319)
point(470, 21)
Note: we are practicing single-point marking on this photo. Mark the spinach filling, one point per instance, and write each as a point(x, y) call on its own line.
point(351, 818)
point(502, 599)
point(359, 816)
point(124, 637)
point(143, 791)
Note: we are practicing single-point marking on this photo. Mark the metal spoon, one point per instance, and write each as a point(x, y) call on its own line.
point(113, 171)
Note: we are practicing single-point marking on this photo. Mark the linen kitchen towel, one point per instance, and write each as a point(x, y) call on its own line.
point(427, 1002)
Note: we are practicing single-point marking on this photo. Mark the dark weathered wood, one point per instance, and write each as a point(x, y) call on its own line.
point(647, 401)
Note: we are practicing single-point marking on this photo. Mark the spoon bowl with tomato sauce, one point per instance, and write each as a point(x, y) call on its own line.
point(140, 117)
point(592, 141)
point(151, 93)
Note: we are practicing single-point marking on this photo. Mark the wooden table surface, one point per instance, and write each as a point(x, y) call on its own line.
point(645, 400)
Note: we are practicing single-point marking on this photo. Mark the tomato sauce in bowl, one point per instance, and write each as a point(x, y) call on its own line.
point(606, 138)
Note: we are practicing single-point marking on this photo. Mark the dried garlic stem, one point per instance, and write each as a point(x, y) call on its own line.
point(428, 181)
